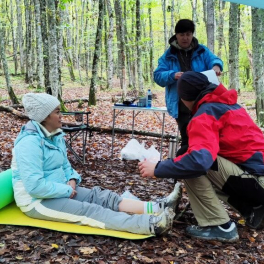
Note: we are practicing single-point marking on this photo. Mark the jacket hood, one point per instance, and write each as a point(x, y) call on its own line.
point(219, 95)
point(30, 128)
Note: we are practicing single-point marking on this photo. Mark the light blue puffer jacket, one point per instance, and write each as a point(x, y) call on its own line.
point(40, 166)
point(202, 60)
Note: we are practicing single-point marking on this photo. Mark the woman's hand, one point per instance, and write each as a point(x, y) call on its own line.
point(73, 194)
point(146, 169)
point(72, 183)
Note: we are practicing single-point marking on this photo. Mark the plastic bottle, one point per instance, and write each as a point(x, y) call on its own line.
point(149, 98)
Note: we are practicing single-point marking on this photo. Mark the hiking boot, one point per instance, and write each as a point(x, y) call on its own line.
point(256, 219)
point(162, 223)
point(214, 233)
point(172, 200)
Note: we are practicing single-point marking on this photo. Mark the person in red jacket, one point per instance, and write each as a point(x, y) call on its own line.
point(224, 160)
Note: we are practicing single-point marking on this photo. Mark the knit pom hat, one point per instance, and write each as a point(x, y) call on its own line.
point(39, 105)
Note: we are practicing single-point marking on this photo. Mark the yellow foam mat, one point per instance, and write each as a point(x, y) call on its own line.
point(11, 215)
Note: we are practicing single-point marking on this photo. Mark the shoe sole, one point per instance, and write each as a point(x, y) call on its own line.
point(232, 240)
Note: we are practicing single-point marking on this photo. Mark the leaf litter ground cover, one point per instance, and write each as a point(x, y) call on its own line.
point(33, 245)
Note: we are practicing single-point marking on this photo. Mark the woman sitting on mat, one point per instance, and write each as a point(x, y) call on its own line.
point(47, 187)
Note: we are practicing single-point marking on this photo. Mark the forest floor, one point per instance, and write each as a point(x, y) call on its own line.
point(35, 245)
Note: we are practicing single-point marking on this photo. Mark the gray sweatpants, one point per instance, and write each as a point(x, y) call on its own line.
point(230, 184)
point(92, 207)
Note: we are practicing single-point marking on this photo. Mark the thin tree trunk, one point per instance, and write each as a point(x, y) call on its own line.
point(110, 37)
point(40, 64)
point(86, 44)
point(29, 51)
point(45, 43)
point(69, 60)
point(20, 35)
point(172, 11)
point(234, 49)
point(164, 11)
point(221, 28)
point(53, 49)
point(151, 44)
point(139, 49)
point(92, 93)
point(210, 25)
point(258, 68)
point(194, 10)
point(5, 65)
point(13, 36)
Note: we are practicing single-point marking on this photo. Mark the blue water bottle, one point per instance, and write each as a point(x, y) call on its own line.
point(149, 97)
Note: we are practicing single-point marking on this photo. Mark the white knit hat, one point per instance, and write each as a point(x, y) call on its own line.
point(39, 105)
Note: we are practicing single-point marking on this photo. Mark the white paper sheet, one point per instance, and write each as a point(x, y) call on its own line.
point(212, 77)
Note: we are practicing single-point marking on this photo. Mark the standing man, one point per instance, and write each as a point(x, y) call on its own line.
point(224, 160)
point(184, 54)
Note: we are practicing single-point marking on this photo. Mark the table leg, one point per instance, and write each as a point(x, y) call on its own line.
point(133, 124)
point(162, 134)
point(113, 133)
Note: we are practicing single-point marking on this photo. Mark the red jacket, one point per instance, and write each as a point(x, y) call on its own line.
point(219, 126)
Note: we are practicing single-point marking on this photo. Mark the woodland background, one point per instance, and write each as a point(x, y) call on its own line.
point(91, 54)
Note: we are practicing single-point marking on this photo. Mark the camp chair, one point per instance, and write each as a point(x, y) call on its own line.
point(75, 130)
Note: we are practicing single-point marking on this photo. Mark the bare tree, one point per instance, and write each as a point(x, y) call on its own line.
point(121, 39)
point(210, 24)
point(29, 47)
point(13, 35)
point(5, 65)
point(20, 35)
point(258, 67)
point(53, 49)
point(234, 22)
point(92, 93)
point(45, 44)
point(110, 36)
point(164, 11)
point(139, 49)
point(40, 64)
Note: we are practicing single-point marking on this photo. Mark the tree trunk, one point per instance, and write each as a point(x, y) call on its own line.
point(172, 11)
point(194, 10)
point(53, 49)
point(5, 66)
point(110, 37)
point(210, 25)
point(258, 68)
point(234, 49)
point(220, 28)
point(40, 64)
point(69, 60)
point(86, 44)
point(13, 36)
point(29, 51)
point(92, 93)
point(122, 59)
point(139, 49)
point(151, 44)
point(45, 43)
point(164, 11)
point(20, 35)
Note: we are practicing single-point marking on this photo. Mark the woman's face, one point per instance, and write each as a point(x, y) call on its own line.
point(53, 120)
point(184, 39)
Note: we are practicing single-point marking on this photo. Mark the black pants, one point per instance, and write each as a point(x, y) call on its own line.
point(183, 121)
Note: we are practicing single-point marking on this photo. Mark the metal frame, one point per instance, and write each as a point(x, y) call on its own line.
point(155, 110)
point(76, 131)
